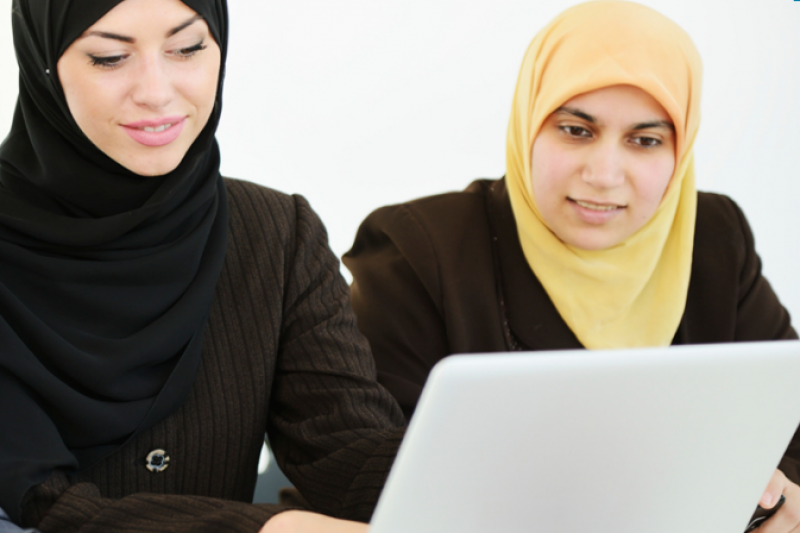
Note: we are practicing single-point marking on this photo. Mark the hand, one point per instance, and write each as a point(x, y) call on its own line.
point(306, 522)
point(787, 518)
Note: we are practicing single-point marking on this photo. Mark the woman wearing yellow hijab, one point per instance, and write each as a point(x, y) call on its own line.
point(596, 237)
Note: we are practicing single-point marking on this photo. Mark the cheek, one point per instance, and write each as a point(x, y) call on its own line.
point(201, 88)
point(91, 105)
point(198, 87)
point(204, 82)
point(90, 102)
point(550, 171)
point(655, 180)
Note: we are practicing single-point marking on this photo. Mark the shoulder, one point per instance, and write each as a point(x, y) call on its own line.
point(254, 206)
point(724, 250)
point(439, 218)
point(728, 299)
point(425, 238)
point(717, 210)
point(720, 222)
point(247, 199)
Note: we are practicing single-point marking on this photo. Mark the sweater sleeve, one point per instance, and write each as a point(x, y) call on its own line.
point(396, 294)
point(334, 430)
point(81, 508)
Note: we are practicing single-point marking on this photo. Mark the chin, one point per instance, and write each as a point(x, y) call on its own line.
point(152, 169)
point(592, 244)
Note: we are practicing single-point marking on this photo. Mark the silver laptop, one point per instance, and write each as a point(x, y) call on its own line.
point(680, 439)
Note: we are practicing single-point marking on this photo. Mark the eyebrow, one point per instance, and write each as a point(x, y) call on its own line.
point(589, 118)
point(576, 112)
point(126, 39)
point(183, 26)
point(654, 124)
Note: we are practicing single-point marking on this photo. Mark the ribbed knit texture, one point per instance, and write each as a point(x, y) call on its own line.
point(282, 354)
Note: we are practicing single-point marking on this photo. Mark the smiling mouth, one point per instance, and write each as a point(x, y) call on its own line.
point(596, 207)
point(157, 129)
point(155, 134)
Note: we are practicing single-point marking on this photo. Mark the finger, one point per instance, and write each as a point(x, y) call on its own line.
point(774, 489)
point(787, 518)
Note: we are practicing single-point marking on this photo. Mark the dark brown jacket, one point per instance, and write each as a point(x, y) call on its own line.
point(281, 355)
point(446, 274)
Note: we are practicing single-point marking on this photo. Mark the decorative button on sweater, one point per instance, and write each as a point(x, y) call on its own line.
point(157, 461)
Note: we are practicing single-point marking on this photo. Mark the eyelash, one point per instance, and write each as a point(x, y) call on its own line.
point(186, 53)
point(570, 130)
point(112, 62)
point(655, 142)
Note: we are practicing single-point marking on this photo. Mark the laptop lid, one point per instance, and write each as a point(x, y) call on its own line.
point(631, 441)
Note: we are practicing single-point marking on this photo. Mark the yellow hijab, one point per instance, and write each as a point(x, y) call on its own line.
point(634, 293)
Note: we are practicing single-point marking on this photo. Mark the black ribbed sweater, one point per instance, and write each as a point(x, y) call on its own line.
point(281, 355)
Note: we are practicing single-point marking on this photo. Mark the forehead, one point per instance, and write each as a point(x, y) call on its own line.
point(625, 103)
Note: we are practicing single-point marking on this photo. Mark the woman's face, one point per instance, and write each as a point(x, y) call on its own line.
point(600, 166)
point(141, 83)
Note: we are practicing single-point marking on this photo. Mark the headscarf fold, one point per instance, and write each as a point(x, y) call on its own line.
point(634, 293)
point(106, 277)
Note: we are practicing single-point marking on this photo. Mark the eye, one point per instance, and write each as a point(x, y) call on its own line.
point(576, 131)
point(109, 62)
point(186, 53)
point(646, 142)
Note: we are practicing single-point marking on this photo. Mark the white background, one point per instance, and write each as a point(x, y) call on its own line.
point(360, 103)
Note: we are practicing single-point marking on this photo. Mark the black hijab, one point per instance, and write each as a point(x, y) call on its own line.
point(106, 277)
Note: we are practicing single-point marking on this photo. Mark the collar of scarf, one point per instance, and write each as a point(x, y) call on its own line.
point(107, 277)
point(634, 293)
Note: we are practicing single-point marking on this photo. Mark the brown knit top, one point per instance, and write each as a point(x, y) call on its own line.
point(281, 355)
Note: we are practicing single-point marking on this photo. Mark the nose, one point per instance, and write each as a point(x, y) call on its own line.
point(605, 167)
point(153, 87)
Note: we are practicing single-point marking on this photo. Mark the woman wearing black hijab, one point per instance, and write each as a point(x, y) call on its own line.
point(155, 318)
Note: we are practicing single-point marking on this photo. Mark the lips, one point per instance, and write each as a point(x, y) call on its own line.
point(596, 213)
point(597, 206)
point(158, 132)
point(157, 129)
